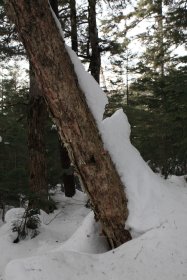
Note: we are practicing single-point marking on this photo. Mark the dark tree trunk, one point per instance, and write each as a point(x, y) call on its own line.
point(36, 146)
point(54, 6)
point(73, 17)
point(76, 125)
point(95, 60)
point(68, 178)
point(159, 20)
point(3, 210)
point(127, 79)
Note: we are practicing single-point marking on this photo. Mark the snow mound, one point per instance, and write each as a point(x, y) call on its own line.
point(179, 181)
point(55, 229)
point(14, 214)
point(158, 254)
point(88, 238)
point(17, 214)
point(145, 190)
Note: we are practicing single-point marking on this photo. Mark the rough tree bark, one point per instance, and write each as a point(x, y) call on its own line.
point(36, 146)
point(68, 172)
point(76, 125)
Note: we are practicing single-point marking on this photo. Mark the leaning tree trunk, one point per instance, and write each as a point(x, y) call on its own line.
point(36, 146)
point(68, 177)
point(75, 123)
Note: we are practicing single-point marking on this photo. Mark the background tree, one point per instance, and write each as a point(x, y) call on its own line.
point(157, 66)
point(150, 109)
point(13, 143)
point(95, 57)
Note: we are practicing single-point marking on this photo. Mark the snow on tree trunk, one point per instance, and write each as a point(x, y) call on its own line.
point(76, 125)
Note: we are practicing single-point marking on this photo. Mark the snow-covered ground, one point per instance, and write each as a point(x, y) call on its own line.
point(55, 229)
point(71, 245)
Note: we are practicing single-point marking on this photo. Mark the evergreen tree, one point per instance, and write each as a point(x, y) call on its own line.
point(160, 76)
point(155, 84)
point(13, 148)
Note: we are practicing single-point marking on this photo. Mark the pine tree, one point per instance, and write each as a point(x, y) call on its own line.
point(13, 148)
point(156, 67)
point(149, 108)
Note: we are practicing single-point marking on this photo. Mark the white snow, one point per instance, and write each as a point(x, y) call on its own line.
point(159, 253)
point(55, 229)
point(71, 247)
point(95, 97)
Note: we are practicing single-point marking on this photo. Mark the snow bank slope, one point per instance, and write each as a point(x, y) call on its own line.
point(55, 229)
point(150, 198)
point(158, 254)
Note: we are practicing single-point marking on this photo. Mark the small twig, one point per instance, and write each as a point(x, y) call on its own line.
point(70, 203)
point(138, 253)
point(54, 218)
